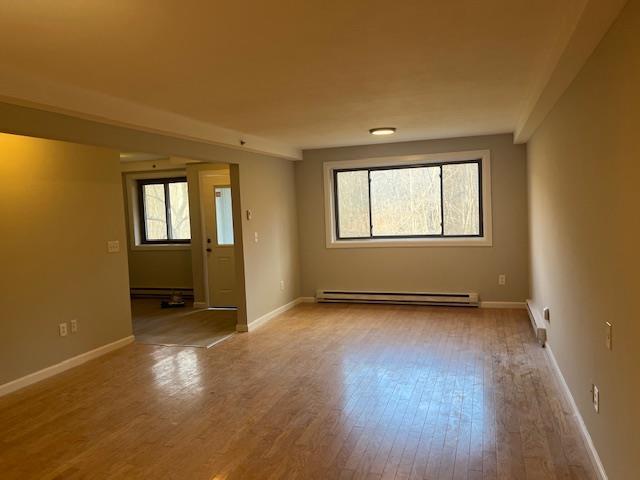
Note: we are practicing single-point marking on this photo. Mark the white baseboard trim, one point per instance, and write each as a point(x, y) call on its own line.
point(272, 314)
point(34, 377)
point(517, 305)
point(591, 448)
point(200, 305)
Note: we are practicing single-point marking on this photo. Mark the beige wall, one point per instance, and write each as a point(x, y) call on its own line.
point(60, 203)
point(454, 269)
point(584, 170)
point(164, 268)
point(267, 188)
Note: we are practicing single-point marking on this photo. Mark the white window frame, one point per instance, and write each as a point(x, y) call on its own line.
point(486, 240)
point(135, 229)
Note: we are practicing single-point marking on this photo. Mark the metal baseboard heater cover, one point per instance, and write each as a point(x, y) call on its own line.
point(398, 298)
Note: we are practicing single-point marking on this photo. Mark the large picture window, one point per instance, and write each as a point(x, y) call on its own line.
point(164, 211)
point(422, 200)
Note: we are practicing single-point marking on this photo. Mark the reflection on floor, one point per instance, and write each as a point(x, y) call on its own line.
point(187, 327)
point(321, 392)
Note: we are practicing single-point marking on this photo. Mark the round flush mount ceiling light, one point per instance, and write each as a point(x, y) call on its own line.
point(383, 131)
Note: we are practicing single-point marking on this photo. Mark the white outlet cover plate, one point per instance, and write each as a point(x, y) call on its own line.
point(113, 246)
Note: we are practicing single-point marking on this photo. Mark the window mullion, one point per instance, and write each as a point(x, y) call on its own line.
point(441, 204)
point(370, 212)
point(167, 205)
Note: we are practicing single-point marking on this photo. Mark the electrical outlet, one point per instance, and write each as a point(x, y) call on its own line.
point(63, 329)
point(282, 285)
point(74, 325)
point(609, 335)
point(502, 279)
point(113, 246)
point(596, 398)
point(255, 237)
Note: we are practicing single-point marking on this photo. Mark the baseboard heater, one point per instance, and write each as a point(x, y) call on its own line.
point(159, 292)
point(398, 298)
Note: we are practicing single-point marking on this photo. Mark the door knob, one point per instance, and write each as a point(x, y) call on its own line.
point(209, 250)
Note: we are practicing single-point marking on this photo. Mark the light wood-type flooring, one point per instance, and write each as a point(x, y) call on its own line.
point(321, 392)
point(184, 326)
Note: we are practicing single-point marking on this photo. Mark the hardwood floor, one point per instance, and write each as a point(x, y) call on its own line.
point(187, 326)
point(323, 391)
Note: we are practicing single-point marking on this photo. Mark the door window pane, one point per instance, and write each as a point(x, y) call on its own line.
point(179, 201)
point(461, 199)
point(353, 204)
point(155, 212)
point(405, 201)
point(224, 216)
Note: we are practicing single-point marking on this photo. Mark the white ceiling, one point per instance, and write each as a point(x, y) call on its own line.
point(288, 74)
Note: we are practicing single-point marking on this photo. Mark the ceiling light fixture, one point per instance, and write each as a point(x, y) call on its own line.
point(383, 131)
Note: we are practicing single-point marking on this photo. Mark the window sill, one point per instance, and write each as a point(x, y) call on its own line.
point(411, 242)
point(160, 247)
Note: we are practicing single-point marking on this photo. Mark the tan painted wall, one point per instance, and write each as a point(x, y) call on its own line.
point(268, 190)
point(584, 171)
point(421, 268)
point(60, 203)
point(160, 269)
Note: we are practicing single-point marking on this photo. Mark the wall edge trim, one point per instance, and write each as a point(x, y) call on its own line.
point(64, 365)
point(272, 314)
point(490, 304)
point(584, 432)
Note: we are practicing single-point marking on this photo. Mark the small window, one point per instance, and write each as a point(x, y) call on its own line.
point(164, 211)
point(224, 216)
point(420, 200)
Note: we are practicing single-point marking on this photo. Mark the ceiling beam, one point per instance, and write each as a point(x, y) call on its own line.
point(27, 90)
point(574, 47)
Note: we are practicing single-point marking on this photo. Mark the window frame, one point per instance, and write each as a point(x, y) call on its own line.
point(331, 170)
point(165, 181)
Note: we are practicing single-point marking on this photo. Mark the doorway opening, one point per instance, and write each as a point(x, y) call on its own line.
point(182, 250)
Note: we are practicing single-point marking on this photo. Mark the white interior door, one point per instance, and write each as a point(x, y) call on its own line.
point(219, 242)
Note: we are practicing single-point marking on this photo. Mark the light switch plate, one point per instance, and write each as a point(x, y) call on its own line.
point(113, 246)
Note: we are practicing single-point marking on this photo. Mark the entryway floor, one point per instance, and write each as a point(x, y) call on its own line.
point(186, 327)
